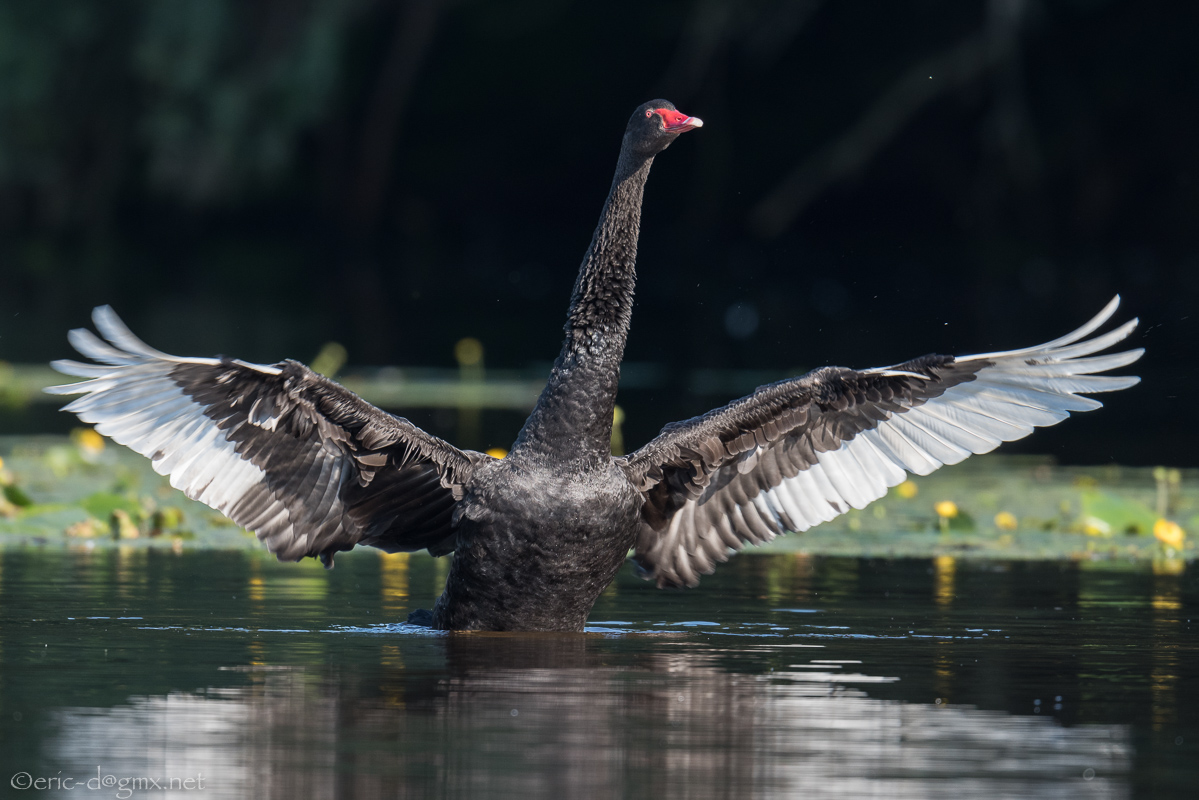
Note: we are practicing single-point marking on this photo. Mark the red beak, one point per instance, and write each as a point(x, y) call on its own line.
point(677, 122)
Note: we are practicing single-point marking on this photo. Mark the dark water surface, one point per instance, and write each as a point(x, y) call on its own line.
point(781, 676)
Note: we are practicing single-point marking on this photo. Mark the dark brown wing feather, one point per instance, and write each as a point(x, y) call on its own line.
point(310, 467)
point(800, 452)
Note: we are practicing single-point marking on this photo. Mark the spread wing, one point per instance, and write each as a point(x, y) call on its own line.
point(308, 466)
point(802, 451)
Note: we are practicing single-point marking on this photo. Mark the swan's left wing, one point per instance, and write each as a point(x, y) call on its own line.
point(802, 451)
point(307, 465)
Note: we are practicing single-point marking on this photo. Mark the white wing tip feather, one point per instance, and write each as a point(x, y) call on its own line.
point(1071, 338)
point(74, 369)
point(67, 388)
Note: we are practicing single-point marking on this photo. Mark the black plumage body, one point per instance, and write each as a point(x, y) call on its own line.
point(536, 546)
point(314, 470)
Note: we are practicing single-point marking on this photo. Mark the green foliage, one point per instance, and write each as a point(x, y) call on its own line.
point(234, 89)
point(962, 522)
point(101, 505)
point(16, 496)
point(1108, 514)
point(211, 96)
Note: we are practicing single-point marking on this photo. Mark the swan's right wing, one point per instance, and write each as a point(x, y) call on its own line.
point(803, 451)
point(308, 466)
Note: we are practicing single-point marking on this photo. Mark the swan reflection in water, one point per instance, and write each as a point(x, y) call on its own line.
point(540, 715)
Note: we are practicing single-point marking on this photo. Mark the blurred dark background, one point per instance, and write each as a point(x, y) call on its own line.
point(874, 181)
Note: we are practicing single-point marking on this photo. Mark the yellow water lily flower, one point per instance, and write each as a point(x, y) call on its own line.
point(1006, 521)
point(946, 509)
point(907, 490)
point(1169, 533)
point(122, 525)
point(90, 443)
point(469, 352)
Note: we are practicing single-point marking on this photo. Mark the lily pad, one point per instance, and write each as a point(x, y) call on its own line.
point(17, 497)
point(101, 505)
point(1107, 514)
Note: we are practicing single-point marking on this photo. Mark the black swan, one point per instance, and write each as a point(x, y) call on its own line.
point(312, 469)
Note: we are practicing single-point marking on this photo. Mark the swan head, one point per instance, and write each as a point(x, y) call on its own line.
point(654, 125)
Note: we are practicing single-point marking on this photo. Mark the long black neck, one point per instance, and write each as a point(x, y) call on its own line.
point(571, 425)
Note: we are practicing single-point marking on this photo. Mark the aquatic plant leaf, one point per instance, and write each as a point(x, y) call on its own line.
point(101, 505)
point(1120, 514)
point(16, 496)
